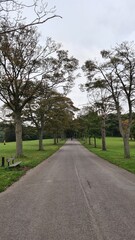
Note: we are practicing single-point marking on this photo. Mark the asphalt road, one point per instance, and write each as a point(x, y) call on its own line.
point(73, 195)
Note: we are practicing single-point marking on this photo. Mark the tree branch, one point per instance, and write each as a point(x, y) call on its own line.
point(37, 22)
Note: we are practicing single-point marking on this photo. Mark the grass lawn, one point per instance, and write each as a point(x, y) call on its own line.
point(114, 153)
point(32, 157)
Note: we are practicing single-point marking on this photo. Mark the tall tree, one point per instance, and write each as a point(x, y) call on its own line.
point(59, 74)
point(117, 75)
point(103, 106)
point(101, 103)
point(21, 58)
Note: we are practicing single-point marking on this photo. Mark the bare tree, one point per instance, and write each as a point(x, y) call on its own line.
point(14, 11)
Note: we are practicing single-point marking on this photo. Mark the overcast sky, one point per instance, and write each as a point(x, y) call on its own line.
point(88, 26)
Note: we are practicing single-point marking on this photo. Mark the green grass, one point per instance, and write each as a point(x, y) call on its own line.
point(32, 157)
point(114, 153)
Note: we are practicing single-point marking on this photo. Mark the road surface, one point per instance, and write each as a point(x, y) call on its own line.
point(73, 195)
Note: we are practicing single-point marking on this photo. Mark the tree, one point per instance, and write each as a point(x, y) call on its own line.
point(46, 105)
point(77, 128)
point(90, 123)
point(21, 59)
point(112, 125)
point(29, 132)
point(61, 115)
point(117, 75)
point(37, 110)
point(14, 11)
point(60, 71)
point(103, 106)
point(58, 74)
point(101, 103)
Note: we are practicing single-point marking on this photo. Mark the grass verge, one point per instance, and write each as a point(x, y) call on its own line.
point(32, 157)
point(114, 153)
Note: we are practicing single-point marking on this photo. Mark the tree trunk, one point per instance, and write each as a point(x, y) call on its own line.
point(125, 135)
point(18, 132)
point(85, 138)
point(55, 139)
point(89, 140)
point(95, 142)
point(126, 146)
point(41, 146)
point(103, 134)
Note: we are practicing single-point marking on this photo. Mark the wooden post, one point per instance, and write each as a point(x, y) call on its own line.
point(3, 162)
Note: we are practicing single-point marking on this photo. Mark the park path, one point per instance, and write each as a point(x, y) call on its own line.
point(73, 195)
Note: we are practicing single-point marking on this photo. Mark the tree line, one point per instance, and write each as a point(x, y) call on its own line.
point(35, 78)
point(88, 126)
